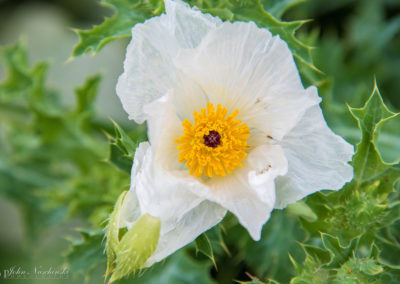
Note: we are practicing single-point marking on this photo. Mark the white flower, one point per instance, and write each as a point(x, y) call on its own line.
point(230, 126)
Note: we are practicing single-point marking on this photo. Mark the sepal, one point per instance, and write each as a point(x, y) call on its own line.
point(127, 252)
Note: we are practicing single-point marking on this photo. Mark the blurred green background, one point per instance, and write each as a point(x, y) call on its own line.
point(354, 41)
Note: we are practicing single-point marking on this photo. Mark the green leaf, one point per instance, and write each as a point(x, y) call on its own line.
point(370, 267)
point(51, 155)
point(86, 95)
point(301, 209)
point(336, 263)
point(18, 77)
point(278, 7)
point(217, 240)
point(255, 280)
point(269, 257)
point(86, 253)
point(136, 246)
point(388, 242)
point(318, 255)
point(203, 245)
point(127, 14)
point(123, 147)
point(340, 254)
point(178, 268)
point(367, 161)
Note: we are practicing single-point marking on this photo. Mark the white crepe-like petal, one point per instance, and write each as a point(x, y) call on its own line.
point(177, 228)
point(243, 67)
point(130, 209)
point(162, 195)
point(249, 192)
point(187, 229)
point(318, 159)
point(188, 96)
point(164, 127)
point(148, 69)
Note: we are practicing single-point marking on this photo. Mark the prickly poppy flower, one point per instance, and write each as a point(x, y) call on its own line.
point(230, 127)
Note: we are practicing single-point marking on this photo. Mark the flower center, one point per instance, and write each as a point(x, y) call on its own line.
point(215, 144)
point(213, 139)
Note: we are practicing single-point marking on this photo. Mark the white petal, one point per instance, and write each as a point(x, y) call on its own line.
point(318, 159)
point(164, 127)
point(160, 197)
point(187, 97)
point(161, 194)
point(188, 25)
point(130, 210)
point(249, 192)
point(187, 229)
point(148, 69)
point(243, 67)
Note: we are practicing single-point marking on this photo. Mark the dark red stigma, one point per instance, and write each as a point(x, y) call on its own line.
point(213, 139)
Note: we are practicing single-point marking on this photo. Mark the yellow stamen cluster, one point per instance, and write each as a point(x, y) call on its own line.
point(229, 144)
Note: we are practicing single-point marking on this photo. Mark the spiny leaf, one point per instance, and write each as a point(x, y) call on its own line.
point(50, 161)
point(280, 237)
point(278, 7)
point(203, 245)
point(336, 263)
point(255, 280)
point(122, 148)
point(127, 14)
point(318, 255)
point(387, 240)
point(217, 239)
point(370, 267)
point(86, 253)
point(367, 161)
point(18, 77)
point(179, 268)
point(340, 254)
point(86, 94)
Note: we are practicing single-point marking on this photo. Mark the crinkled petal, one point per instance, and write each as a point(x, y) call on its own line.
point(161, 194)
point(130, 210)
point(187, 97)
point(158, 192)
point(184, 216)
point(318, 159)
point(164, 126)
point(187, 229)
point(243, 67)
point(249, 192)
point(148, 69)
